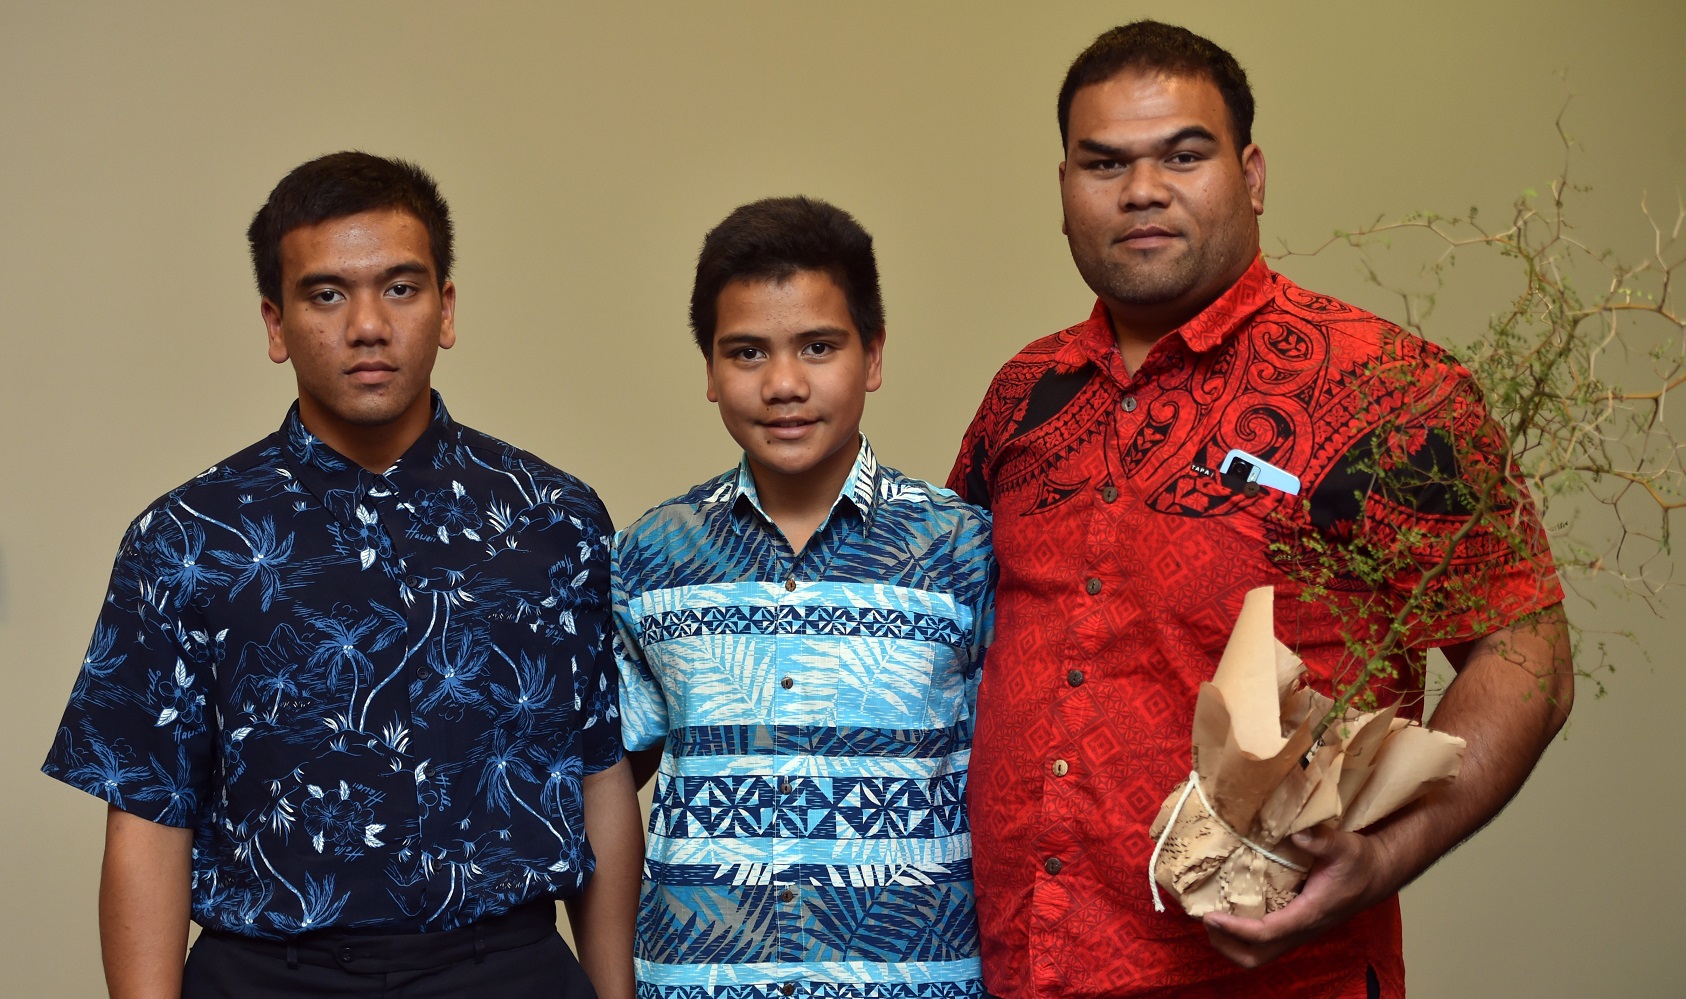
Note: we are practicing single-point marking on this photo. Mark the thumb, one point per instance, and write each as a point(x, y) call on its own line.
point(1321, 841)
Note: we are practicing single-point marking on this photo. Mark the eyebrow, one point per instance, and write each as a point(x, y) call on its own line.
point(1189, 134)
point(749, 338)
point(408, 267)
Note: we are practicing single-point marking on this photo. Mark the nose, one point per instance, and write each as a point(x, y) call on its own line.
point(786, 379)
point(367, 322)
point(1144, 187)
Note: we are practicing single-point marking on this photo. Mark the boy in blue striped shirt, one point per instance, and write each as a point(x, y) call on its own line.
point(799, 641)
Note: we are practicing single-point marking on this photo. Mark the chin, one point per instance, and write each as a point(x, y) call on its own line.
point(787, 466)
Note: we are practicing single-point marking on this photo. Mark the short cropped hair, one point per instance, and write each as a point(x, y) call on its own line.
point(1164, 48)
point(341, 184)
point(772, 240)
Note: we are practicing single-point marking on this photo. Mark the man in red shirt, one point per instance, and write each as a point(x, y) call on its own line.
point(1125, 552)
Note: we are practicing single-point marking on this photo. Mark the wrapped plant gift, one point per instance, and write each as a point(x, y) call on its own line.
point(1262, 774)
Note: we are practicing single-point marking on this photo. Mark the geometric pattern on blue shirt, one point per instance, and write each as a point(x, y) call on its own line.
point(372, 697)
point(815, 712)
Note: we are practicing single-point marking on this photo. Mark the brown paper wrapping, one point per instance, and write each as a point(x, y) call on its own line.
point(1253, 725)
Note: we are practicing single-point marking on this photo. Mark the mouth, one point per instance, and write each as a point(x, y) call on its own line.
point(788, 427)
point(1148, 237)
point(371, 372)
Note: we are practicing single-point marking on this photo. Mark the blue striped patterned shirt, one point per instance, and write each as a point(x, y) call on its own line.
point(809, 835)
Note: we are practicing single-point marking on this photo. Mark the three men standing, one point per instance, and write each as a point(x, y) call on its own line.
point(353, 703)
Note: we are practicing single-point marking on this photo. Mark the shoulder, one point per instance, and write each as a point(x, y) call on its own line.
point(1025, 368)
point(685, 511)
point(496, 456)
point(949, 537)
point(901, 497)
point(679, 539)
point(1354, 340)
point(224, 487)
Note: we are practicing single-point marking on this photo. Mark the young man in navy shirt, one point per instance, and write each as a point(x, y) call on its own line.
point(351, 696)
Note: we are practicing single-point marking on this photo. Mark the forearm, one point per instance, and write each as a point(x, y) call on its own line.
point(1509, 699)
point(144, 906)
point(603, 916)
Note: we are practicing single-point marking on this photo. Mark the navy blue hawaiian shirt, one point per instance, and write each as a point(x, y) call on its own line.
point(373, 697)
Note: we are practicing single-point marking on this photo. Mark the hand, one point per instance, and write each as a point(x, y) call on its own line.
point(1345, 879)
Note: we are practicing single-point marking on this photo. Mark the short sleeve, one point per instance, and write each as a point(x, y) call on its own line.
point(1437, 500)
point(969, 476)
point(136, 731)
point(597, 688)
point(643, 706)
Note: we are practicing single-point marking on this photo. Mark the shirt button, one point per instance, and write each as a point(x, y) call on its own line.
point(1075, 678)
point(415, 582)
point(345, 954)
point(1109, 494)
point(1060, 768)
point(784, 787)
point(787, 683)
point(790, 585)
point(1129, 404)
point(788, 988)
point(1052, 865)
point(786, 895)
point(1093, 586)
point(423, 672)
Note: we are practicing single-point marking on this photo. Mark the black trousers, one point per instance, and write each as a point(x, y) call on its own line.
point(515, 956)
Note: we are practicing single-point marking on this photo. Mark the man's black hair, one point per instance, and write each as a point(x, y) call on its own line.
point(341, 184)
point(1162, 48)
point(773, 239)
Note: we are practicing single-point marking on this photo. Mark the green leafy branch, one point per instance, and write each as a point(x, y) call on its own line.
point(1554, 365)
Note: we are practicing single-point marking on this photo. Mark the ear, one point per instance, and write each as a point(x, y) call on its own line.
point(272, 326)
point(1253, 170)
point(448, 316)
point(875, 361)
point(1063, 230)
point(713, 389)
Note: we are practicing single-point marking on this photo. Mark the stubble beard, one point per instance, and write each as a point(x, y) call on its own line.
point(1149, 282)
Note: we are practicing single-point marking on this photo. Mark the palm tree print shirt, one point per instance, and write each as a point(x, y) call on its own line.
point(373, 697)
point(808, 835)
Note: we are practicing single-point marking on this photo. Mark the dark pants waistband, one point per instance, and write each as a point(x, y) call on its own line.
point(385, 953)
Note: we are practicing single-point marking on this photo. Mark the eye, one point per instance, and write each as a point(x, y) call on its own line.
point(325, 296)
point(403, 290)
point(745, 353)
point(819, 348)
point(1185, 157)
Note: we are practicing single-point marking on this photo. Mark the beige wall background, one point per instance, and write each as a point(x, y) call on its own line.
point(586, 148)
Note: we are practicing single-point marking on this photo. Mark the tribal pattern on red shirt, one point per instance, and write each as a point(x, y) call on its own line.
point(1124, 558)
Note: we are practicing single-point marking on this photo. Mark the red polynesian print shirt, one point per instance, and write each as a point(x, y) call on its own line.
point(1124, 557)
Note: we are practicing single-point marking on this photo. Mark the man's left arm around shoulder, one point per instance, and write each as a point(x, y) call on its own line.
point(1511, 695)
point(603, 915)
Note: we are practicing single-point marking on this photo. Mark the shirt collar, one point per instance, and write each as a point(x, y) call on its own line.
point(333, 477)
point(1094, 340)
point(860, 489)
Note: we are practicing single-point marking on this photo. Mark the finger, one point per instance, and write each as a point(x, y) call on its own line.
point(1298, 916)
point(1241, 952)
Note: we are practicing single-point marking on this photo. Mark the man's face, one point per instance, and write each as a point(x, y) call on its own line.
point(363, 319)
point(1160, 210)
point(791, 376)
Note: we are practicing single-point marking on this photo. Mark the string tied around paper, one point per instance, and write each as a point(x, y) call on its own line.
point(1193, 785)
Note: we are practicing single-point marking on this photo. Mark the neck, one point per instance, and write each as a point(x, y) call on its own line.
point(374, 447)
point(1136, 327)
point(798, 504)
